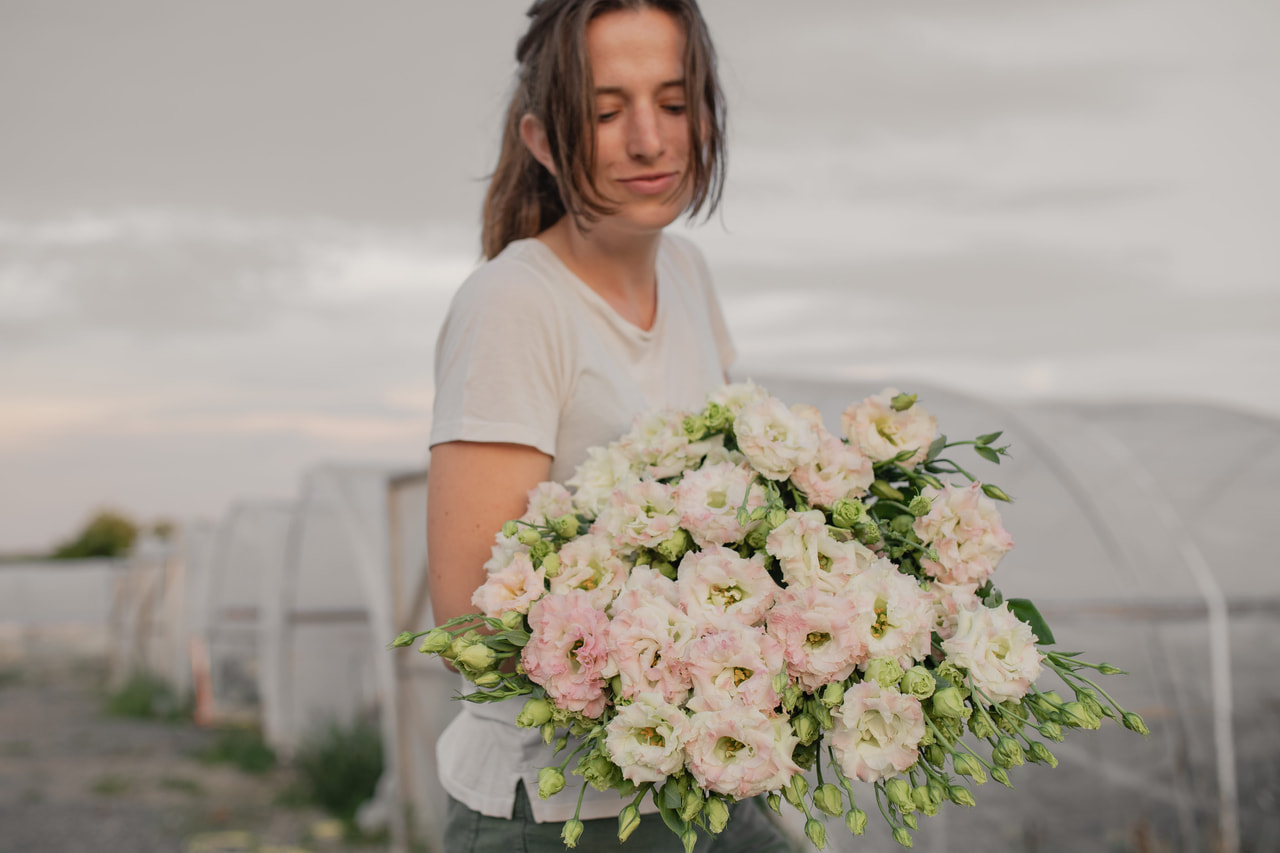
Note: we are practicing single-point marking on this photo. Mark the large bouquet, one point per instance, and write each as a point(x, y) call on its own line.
point(719, 602)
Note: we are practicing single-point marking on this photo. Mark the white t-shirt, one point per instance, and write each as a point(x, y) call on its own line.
point(529, 354)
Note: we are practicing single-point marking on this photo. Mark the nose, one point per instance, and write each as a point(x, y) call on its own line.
point(644, 136)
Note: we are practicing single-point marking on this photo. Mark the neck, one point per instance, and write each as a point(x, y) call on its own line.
point(621, 268)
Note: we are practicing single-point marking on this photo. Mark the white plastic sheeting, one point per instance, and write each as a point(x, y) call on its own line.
point(148, 625)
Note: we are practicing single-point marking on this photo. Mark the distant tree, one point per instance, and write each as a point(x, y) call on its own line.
point(164, 529)
point(106, 534)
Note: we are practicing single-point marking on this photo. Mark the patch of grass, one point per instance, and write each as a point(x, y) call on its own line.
point(339, 767)
point(110, 785)
point(144, 696)
point(243, 748)
point(179, 783)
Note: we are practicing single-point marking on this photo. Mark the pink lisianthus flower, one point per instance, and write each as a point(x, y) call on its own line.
point(883, 433)
point(604, 470)
point(902, 615)
point(640, 515)
point(648, 639)
point(734, 667)
point(647, 581)
point(734, 397)
point(719, 587)
point(821, 634)
point(514, 587)
point(659, 446)
point(646, 738)
point(547, 501)
point(964, 527)
point(877, 732)
point(740, 751)
point(775, 441)
point(809, 556)
point(568, 652)
point(838, 470)
point(708, 500)
point(948, 600)
point(997, 649)
point(590, 564)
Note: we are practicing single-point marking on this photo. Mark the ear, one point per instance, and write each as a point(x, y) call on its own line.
point(534, 137)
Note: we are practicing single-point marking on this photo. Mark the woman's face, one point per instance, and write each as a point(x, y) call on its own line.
point(642, 133)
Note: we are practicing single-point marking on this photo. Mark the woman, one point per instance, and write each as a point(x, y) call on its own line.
point(584, 315)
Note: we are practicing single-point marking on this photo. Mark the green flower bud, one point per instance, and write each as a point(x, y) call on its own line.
point(918, 682)
point(561, 743)
point(868, 533)
point(1076, 715)
point(477, 658)
point(995, 493)
point(539, 551)
point(966, 765)
point(1090, 701)
point(572, 832)
point(920, 506)
point(937, 792)
point(1001, 776)
point(510, 529)
point(816, 832)
point(901, 524)
point(1134, 723)
point(882, 489)
point(599, 771)
point(488, 679)
point(805, 728)
point(952, 729)
point(666, 569)
point(920, 798)
point(884, 671)
point(758, 537)
point(435, 642)
point(717, 812)
point(846, 513)
point(1052, 731)
point(566, 526)
point(856, 820)
point(980, 725)
point(719, 418)
point(949, 702)
point(689, 839)
point(774, 801)
point(528, 536)
point(674, 546)
point(775, 516)
point(898, 790)
point(550, 781)
point(902, 402)
point(692, 803)
point(1008, 753)
point(1108, 669)
point(404, 638)
point(1040, 754)
point(961, 796)
point(1013, 719)
point(780, 682)
point(902, 836)
point(795, 789)
point(833, 694)
point(935, 755)
point(953, 676)
point(909, 820)
point(548, 731)
point(628, 820)
point(805, 756)
point(551, 565)
point(791, 697)
point(695, 427)
point(829, 799)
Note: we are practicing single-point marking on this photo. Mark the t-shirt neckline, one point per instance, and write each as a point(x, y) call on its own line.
point(603, 305)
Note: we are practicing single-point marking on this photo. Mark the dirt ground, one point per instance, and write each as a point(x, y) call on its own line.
point(74, 780)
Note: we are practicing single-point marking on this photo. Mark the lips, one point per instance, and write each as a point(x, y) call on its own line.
point(653, 183)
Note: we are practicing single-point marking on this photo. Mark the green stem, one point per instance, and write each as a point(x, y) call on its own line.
point(956, 469)
point(1064, 675)
point(582, 793)
point(880, 805)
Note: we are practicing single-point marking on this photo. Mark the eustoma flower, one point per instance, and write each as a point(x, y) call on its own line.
point(821, 634)
point(877, 731)
point(963, 526)
point(740, 751)
point(590, 564)
point(708, 500)
point(718, 587)
point(642, 514)
point(567, 651)
point(512, 588)
point(998, 650)
point(646, 739)
point(838, 470)
point(775, 440)
point(883, 432)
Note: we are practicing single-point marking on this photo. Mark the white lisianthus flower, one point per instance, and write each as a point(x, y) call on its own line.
point(719, 587)
point(820, 634)
point(648, 639)
point(877, 732)
point(734, 666)
point(590, 564)
point(964, 527)
point(547, 501)
point(708, 500)
point(838, 470)
point(513, 587)
point(734, 397)
point(883, 433)
point(740, 751)
point(948, 600)
point(605, 469)
point(650, 581)
point(775, 441)
point(646, 739)
point(997, 649)
point(809, 556)
point(659, 445)
point(640, 515)
point(903, 616)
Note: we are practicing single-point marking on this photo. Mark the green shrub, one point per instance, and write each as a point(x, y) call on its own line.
point(147, 697)
point(339, 766)
point(107, 534)
point(242, 747)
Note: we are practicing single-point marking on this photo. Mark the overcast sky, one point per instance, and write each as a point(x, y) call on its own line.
point(228, 230)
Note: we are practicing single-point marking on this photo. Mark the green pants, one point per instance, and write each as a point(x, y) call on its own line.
point(749, 831)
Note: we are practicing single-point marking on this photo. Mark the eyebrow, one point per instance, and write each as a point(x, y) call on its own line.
point(617, 90)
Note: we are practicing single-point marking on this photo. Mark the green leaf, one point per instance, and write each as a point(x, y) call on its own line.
point(987, 453)
point(1027, 612)
point(671, 797)
point(989, 437)
point(671, 818)
point(936, 447)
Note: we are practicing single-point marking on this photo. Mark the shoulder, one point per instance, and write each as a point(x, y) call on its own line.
point(519, 278)
point(683, 252)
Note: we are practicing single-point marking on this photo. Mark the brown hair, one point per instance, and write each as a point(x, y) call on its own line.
point(554, 85)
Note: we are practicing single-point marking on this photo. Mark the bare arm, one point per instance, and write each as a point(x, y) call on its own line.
point(472, 490)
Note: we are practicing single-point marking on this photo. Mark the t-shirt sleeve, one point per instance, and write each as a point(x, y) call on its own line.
point(724, 341)
point(499, 361)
